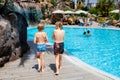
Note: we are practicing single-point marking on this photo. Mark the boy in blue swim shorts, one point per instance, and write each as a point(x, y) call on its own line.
point(40, 40)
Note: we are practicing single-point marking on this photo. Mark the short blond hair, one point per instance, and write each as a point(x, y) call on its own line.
point(40, 26)
point(59, 24)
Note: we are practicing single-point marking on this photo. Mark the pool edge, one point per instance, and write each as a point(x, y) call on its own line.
point(89, 68)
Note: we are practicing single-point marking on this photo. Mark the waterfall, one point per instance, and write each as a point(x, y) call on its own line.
point(30, 10)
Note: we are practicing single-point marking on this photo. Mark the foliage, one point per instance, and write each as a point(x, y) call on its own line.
point(93, 11)
point(105, 6)
point(82, 14)
point(115, 16)
point(53, 2)
point(65, 9)
point(85, 8)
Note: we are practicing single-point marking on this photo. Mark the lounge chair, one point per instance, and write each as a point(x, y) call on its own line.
point(105, 24)
point(81, 24)
point(118, 24)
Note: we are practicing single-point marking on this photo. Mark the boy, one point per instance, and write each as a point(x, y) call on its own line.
point(40, 39)
point(58, 37)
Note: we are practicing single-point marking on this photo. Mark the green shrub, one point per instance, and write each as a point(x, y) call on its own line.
point(93, 11)
point(116, 16)
point(53, 2)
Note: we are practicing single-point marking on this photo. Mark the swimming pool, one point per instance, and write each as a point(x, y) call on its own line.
point(101, 49)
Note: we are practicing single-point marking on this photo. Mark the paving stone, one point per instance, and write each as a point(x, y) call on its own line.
point(25, 69)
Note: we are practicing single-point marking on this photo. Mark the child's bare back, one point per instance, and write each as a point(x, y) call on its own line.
point(59, 35)
point(41, 38)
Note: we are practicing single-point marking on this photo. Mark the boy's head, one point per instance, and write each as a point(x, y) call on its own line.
point(84, 33)
point(58, 25)
point(40, 26)
point(88, 31)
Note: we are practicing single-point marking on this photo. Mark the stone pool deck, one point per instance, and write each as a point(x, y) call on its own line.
point(25, 68)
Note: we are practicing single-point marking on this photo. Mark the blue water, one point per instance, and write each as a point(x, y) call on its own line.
point(101, 49)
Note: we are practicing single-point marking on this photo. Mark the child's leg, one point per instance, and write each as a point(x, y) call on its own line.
point(57, 63)
point(42, 57)
point(38, 60)
point(60, 60)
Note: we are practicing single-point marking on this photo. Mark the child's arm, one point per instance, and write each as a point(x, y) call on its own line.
point(46, 38)
point(35, 42)
point(53, 36)
point(64, 35)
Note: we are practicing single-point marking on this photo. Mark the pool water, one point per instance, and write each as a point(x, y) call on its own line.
point(101, 49)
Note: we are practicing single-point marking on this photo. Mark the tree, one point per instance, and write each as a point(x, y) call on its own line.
point(53, 2)
point(105, 6)
point(93, 11)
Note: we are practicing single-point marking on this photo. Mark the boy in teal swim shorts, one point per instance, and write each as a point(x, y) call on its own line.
point(40, 40)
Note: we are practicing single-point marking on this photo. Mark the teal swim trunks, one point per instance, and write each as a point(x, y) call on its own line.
point(41, 47)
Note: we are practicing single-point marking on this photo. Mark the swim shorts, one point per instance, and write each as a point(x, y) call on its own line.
point(58, 48)
point(41, 47)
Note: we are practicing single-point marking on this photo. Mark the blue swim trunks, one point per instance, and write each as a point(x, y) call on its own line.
point(41, 47)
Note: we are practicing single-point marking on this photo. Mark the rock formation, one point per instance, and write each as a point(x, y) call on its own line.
point(13, 33)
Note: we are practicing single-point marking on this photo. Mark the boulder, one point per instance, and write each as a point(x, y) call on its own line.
point(14, 20)
point(13, 36)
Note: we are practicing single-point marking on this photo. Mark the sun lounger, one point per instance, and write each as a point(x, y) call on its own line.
point(105, 24)
point(118, 24)
point(81, 24)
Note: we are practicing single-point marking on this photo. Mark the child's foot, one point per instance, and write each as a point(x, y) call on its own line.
point(42, 70)
point(57, 73)
point(38, 70)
